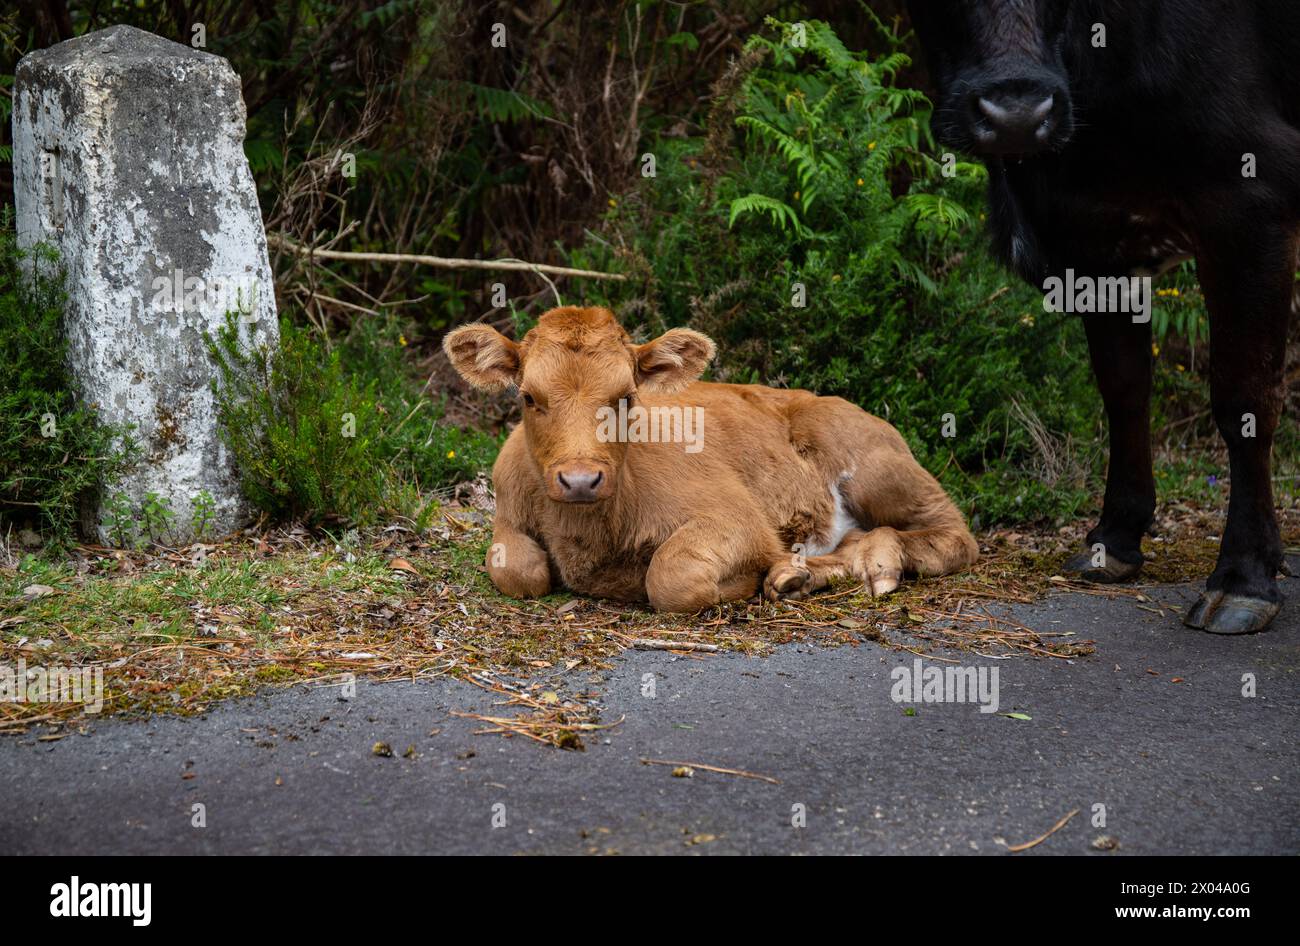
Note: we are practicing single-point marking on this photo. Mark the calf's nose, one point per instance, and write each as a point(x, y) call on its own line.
point(1014, 123)
point(578, 484)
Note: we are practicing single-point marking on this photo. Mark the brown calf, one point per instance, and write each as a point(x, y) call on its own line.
point(718, 489)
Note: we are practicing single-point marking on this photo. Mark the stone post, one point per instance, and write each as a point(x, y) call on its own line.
point(128, 158)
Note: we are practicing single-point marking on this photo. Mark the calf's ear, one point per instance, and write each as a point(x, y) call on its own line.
point(483, 356)
point(673, 360)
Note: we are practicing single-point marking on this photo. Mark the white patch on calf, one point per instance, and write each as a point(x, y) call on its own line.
point(842, 522)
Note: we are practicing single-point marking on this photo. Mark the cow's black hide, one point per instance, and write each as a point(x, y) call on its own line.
point(1122, 136)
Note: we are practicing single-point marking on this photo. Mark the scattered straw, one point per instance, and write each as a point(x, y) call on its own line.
point(290, 607)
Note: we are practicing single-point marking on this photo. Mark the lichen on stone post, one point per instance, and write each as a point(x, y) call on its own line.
point(128, 158)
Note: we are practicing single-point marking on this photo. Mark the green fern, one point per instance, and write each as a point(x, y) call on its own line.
point(780, 213)
point(795, 109)
point(503, 106)
point(937, 214)
point(801, 156)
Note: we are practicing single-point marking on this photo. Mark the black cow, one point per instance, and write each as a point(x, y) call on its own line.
point(1122, 136)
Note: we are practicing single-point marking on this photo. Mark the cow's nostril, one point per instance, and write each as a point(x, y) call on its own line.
point(1016, 113)
point(1014, 123)
point(564, 484)
point(993, 111)
point(600, 475)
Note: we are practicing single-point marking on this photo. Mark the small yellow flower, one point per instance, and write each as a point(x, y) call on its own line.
point(1155, 350)
point(835, 278)
point(613, 202)
point(859, 182)
point(871, 146)
point(1180, 367)
point(451, 454)
point(796, 195)
point(401, 340)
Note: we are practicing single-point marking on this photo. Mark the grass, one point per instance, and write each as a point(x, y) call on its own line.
point(289, 607)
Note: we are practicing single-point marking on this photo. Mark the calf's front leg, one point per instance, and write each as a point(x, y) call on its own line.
point(517, 565)
point(710, 560)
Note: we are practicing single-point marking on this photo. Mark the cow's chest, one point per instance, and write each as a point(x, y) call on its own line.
point(600, 567)
point(1064, 217)
point(1118, 240)
point(1151, 243)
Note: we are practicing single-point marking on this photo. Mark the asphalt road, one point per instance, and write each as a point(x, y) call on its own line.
point(1189, 767)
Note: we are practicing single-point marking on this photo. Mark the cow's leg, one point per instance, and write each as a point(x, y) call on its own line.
point(1121, 361)
point(795, 576)
point(517, 565)
point(1248, 275)
point(926, 534)
point(710, 560)
point(878, 558)
point(909, 525)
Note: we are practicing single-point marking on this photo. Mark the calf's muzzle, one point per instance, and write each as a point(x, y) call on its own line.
point(577, 482)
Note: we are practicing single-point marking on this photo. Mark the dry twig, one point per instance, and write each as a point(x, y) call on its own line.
point(712, 768)
point(1016, 848)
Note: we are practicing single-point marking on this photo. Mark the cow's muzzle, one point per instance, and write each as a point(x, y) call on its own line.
point(577, 482)
point(1022, 116)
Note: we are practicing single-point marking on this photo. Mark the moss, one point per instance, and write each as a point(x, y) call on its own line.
point(275, 673)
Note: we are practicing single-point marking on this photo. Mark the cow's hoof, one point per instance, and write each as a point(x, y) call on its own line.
point(1113, 570)
point(787, 581)
point(883, 581)
point(1219, 613)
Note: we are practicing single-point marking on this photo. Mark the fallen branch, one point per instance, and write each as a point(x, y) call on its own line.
point(653, 643)
point(441, 262)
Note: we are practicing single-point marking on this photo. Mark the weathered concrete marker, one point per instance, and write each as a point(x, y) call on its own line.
point(128, 157)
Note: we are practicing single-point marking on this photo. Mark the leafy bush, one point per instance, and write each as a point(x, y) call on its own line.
point(336, 434)
point(425, 452)
point(827, 248)
point(54, 453)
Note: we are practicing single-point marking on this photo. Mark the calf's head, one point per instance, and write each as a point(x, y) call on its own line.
point(575, 362)
point(1002, 83)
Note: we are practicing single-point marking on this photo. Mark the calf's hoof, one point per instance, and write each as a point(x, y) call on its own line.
point(1111, 571)
point(1219, 613)
point(787, 581)
point(882, 580)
